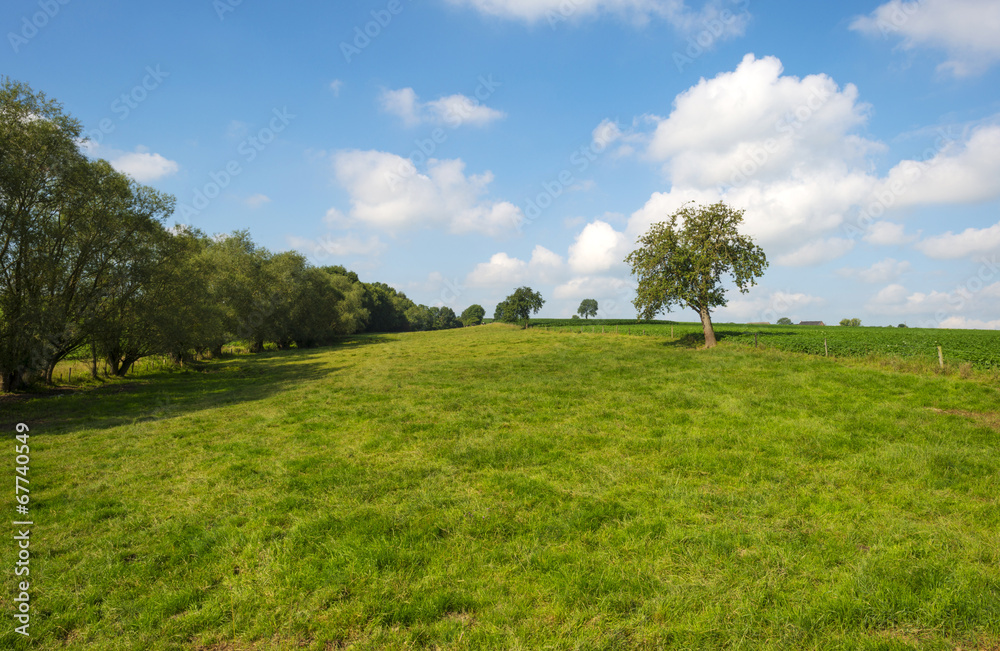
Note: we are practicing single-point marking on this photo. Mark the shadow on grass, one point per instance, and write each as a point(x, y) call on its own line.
point(690, 341)
point(173, 392)
point(693, 340)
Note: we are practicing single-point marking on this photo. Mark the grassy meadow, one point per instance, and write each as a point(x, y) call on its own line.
point(491, 487)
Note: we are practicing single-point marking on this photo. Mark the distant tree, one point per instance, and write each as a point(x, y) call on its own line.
point(520, 305)
point(784, 321)
point(902, 325)
point(499, 311)
point(386, 307)
point(473, 315)
point(588, 308)
point(420, 318)
point(576, 317)
point(853, 323)
point(681, 262)
point(157, 304)
point(445, 319)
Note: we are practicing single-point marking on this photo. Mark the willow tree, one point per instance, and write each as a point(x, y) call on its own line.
point(683, 260)
point(68, 229)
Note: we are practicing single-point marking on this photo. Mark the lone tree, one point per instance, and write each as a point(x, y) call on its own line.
point(520, 305)
point(473, 315)
point(784, 321)
point(681, 262)
point(588, 308)
point(851, 323)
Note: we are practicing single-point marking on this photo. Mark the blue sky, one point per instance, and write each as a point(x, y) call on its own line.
point(457, 149)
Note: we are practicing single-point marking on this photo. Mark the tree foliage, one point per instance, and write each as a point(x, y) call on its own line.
point(682, 261)
point(588, 308)
point(87, 261)
point(69, 229)
point(519, 306)
point(473, 315)
point(852, 323)
point(784, 321)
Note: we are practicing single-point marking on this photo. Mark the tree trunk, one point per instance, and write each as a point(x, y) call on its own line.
point(257, 346)
point(93, 360)
point(10, 381)
point(216, 352)
point(706, 324)
point(126, 366)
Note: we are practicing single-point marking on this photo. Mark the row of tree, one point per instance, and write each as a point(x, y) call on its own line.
point(87, 262)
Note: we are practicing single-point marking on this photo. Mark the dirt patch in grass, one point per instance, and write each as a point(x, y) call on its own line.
point(989, 419)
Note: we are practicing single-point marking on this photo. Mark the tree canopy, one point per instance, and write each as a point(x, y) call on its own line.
point(682, 261)
point(519, 306)
point(588, 308)
point(86, 260)
point(473, 315)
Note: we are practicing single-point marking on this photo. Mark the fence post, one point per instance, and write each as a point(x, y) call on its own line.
point(940, 357)
point(826, 349)
point(755, 340)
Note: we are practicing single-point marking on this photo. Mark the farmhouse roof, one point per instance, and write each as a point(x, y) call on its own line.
point(811, 323)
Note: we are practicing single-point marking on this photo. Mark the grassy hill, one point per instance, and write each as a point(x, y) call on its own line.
point(496, 488)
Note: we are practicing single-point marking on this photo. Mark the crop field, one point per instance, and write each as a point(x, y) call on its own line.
point(492, 487)
point(978, 348)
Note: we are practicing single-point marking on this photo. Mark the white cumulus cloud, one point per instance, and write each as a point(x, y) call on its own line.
point(817, 252)
point(329, 246)
point(503, 270)
point(144, 166)
point(884, 271)
point(787, 150)
point(887, 234)
point(782, 148)
point(966, 30)
point(453, 110)
point(722, 19)
point(957, 174)
point(756, 122)
point(615, 291)
point(965, 323)
point(895, 299)
point(598, 247)
point(257, 200)
point(760, 305)
point(970, 242)
point(388, 192)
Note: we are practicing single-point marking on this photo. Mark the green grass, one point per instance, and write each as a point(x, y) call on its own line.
point(497, 488)
point(979, 349)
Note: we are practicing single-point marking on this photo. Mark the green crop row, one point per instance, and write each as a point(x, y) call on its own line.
point(981, 348)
